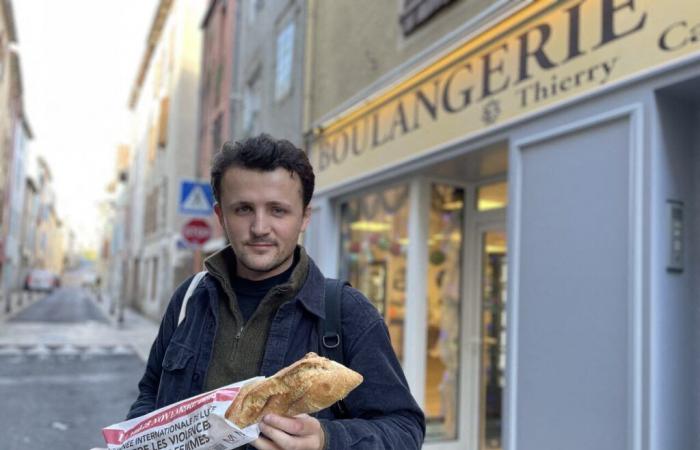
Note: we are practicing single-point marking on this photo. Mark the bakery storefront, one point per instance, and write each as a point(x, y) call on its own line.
point(523, 211)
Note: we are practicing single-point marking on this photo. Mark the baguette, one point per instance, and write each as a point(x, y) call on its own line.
point(306, 386)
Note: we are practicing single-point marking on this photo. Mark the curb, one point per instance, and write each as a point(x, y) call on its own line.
point(18, 302)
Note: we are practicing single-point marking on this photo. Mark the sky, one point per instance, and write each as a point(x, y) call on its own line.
point(79, 60)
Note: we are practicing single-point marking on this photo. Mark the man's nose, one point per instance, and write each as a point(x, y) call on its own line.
point(260, 225)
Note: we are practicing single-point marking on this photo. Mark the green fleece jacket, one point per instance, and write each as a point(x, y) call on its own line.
point(238, 346)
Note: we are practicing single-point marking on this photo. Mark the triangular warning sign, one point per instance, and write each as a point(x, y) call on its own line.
point(197, 200)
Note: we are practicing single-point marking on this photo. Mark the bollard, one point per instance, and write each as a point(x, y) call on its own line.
point(120, 316)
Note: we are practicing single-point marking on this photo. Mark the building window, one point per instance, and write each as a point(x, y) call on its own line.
point(163, 204)
point(251, 105)
point(417, 12)
point(171, 52)
point(216, 133)
point(152, 143)
point(154, 279)
point(150, 212)
point(374, 240)
point(219, 79)
point(2, 56)
point(254, 9)
point(163, 122)
point(158, 74)
point(283, 69)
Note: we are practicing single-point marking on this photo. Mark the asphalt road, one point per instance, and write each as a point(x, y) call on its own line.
point(59, 395)
point(64, 305)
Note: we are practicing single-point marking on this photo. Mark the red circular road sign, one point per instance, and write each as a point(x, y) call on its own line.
point(196, 231)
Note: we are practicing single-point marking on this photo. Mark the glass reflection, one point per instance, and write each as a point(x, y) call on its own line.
point(493, 355)
point(374, 237)
point(444, 299)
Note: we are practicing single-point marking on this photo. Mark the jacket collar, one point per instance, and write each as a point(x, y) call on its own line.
point(312, 290)
point(311, 295)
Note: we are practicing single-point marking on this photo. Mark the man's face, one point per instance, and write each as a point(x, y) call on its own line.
point(262, 214)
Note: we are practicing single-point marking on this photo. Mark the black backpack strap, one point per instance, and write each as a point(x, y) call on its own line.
point(330, 333)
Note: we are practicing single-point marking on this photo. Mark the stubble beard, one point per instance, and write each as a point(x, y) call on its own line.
point(277, 261)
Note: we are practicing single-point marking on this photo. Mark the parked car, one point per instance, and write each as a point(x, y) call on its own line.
point(41, 280)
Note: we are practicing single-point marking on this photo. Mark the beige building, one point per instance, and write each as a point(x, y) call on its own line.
point(49, 238)
point(15, 134)
point(269, 67)
point(8, 37)
point(514, 185)
point(163, 103)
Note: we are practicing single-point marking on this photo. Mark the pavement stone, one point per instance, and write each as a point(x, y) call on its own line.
point(18, 302)
point(136, 332)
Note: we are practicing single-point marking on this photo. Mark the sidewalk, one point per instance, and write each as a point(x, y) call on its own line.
point(135, 330)
point(18, 301)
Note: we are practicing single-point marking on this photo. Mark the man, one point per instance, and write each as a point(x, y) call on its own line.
point(257, 309)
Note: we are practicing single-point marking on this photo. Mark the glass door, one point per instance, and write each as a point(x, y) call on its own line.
point(493, 338)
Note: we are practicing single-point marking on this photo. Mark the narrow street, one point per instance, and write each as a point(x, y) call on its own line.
point(67, 371)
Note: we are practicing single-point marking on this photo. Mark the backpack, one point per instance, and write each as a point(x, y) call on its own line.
point(329, 330)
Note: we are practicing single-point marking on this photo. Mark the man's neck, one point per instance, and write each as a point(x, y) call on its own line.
point(253, 275)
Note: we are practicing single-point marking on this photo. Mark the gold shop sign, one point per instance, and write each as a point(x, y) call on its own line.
point(547, 52)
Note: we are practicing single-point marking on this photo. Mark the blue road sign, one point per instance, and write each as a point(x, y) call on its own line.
point(196, 198)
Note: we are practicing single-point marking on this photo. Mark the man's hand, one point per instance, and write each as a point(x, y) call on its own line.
point(301, 432)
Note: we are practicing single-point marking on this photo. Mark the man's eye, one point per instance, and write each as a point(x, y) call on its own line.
point(278, 211)
point(243, 209)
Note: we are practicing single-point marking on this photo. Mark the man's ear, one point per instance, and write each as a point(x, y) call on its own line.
point(219, 214)
point(306, 218)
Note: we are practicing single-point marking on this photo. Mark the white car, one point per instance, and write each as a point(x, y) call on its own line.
point(41, 280)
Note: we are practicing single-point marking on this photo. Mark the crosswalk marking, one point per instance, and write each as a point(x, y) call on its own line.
point(65, 350)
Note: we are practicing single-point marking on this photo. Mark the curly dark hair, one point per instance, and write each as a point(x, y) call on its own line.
point(265, 153)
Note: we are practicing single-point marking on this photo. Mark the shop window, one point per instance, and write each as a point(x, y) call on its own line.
point(493, 338)
point(492, 196)
point(374, 239)
point(444, 302)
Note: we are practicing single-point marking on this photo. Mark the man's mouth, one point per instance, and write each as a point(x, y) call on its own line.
point(261, 244)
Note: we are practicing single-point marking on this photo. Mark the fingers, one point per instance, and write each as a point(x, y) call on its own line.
point(299, 425)
point(262, 443)
point(300, 432)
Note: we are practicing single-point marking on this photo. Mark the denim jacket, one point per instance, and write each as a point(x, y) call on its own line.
point(382, 412)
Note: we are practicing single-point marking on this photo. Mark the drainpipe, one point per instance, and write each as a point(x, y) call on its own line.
point(307, 75)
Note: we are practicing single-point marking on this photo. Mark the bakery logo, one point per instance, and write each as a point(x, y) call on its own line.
point(491, 112)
